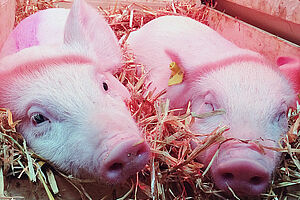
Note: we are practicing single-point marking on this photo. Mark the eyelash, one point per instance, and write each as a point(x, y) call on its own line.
point(281, 115)
point(211, 106)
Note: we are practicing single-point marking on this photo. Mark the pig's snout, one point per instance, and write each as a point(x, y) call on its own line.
point(125, 160)
point(244, 169)
point(243, 176)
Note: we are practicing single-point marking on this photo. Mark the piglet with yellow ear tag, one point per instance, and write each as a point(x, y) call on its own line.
point(218, 75)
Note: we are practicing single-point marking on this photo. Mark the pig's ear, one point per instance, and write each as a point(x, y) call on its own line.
point(87, 31)
point(290, 67)
point(286, 60)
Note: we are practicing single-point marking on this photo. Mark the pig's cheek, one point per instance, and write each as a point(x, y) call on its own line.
point(272, 157)
point(45, 140)
point(31, 132)
point(206, 126)
point(274, 133)
point(206, 155)
point(56, 147)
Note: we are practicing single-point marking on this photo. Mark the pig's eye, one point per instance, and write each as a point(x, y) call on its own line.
point(105, 86)
point(281, 116)
point(38, 119)
point(209, 102)
point(282, 119)
point(209, 107)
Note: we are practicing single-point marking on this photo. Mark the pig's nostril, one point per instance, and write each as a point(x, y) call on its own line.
point(228, 176)
point(256, 180)
point(243, 176)
point(116, 167)
point(125, 160)
point(142, 151)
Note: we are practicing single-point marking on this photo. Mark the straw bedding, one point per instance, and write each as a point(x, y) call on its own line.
point(172, 172)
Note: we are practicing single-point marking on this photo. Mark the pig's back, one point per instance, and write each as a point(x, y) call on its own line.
point(181, 39)
point(42, 28)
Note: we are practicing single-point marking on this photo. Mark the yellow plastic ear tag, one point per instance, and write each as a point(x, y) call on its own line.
point(176, 76)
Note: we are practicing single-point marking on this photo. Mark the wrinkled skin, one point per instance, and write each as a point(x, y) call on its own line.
point(218, 75)
point(56, 76)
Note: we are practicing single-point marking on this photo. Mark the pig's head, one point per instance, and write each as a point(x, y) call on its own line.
point(255, 98)
point(71, 107)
